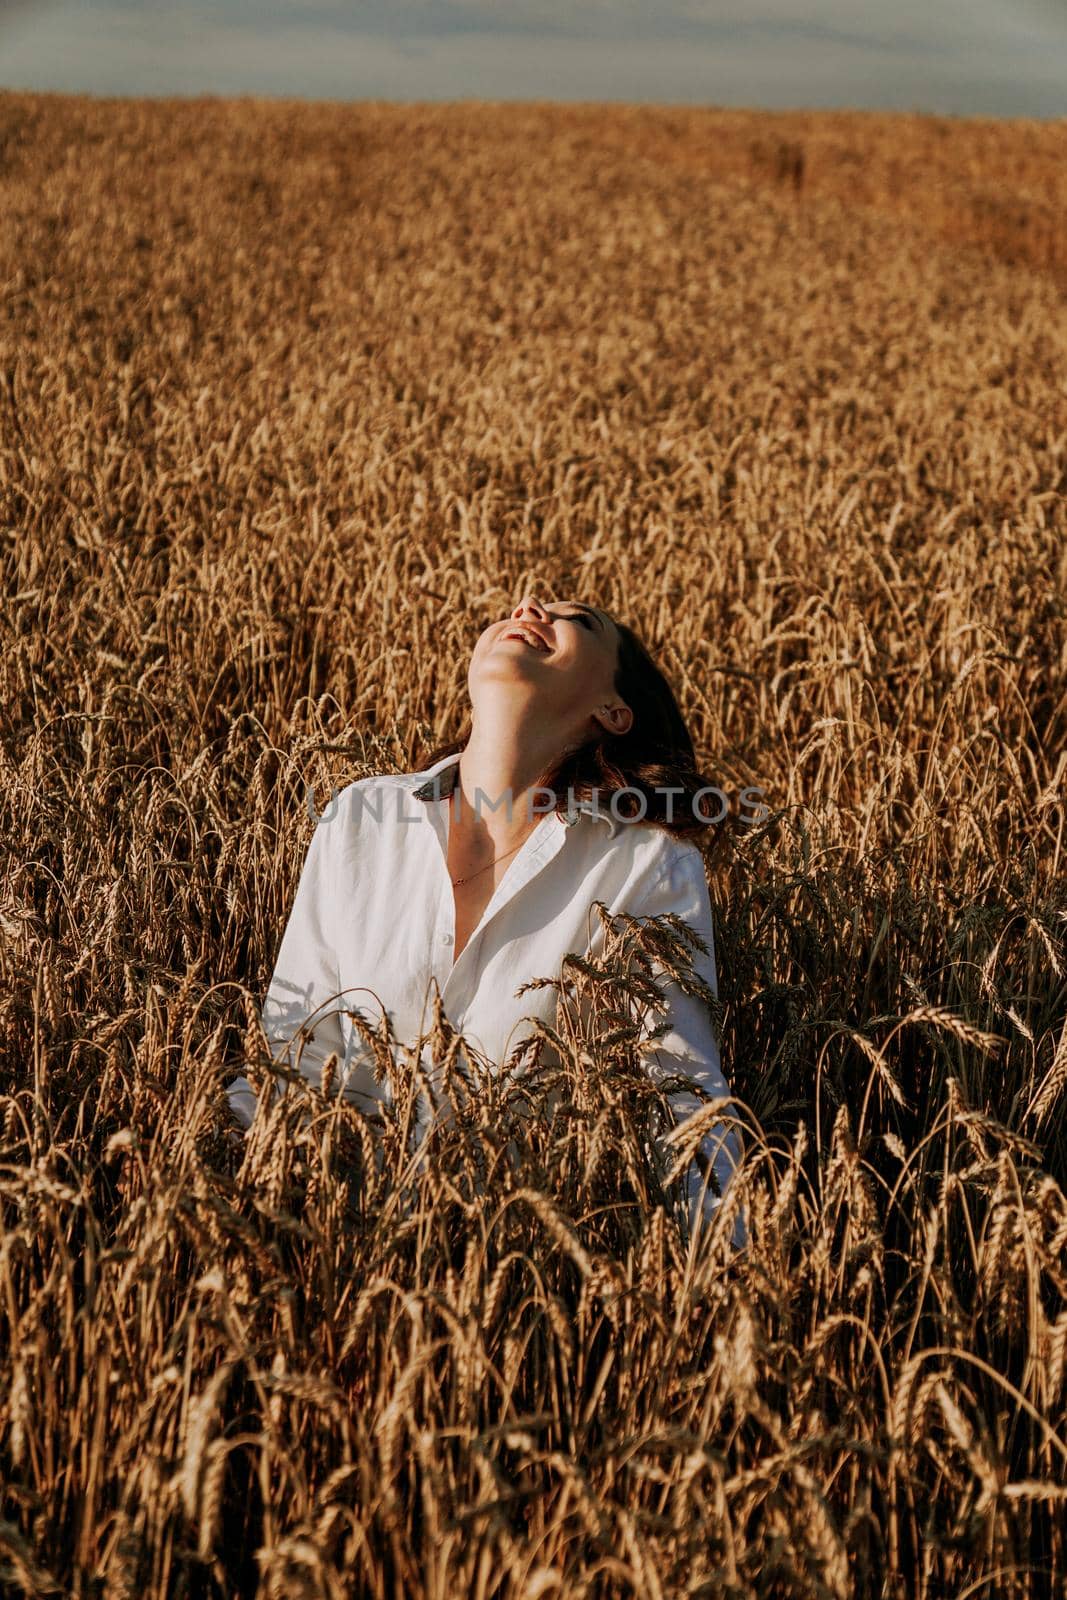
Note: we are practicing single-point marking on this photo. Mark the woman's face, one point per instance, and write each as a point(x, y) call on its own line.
point(565, 650)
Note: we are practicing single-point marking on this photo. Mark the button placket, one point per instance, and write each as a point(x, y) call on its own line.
point(537, 851)
point(442, 933)
point(541, 846)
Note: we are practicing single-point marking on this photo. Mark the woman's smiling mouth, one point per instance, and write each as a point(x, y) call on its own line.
point(529, 636)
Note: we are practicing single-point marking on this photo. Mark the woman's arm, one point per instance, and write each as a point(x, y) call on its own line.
point(690, 1045)
point(301, 1013)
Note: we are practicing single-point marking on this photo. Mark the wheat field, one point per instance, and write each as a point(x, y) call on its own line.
point(294, 399)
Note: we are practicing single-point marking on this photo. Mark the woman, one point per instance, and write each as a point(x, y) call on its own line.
point(574, 783)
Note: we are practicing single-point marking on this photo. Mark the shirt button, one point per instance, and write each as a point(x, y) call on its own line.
point(447, 939)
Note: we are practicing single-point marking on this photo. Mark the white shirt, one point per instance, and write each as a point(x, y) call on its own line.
point(374, 919)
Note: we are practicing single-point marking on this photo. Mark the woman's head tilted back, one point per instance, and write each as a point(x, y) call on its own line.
point(581, 688)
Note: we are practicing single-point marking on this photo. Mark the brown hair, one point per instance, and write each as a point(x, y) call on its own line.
point(656, 754)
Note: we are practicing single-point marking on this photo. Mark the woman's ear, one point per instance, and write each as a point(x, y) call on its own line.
point(616, 718)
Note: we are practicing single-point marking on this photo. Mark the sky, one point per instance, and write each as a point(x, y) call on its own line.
point(991, 58)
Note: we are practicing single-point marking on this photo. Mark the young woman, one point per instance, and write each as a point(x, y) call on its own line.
point(574, 782)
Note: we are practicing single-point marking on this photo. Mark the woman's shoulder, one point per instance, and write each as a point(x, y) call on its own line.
point(380, 783)
point(647, 871)
point(660, 844)
point(389, 797)
point(650, 852)
point(379, 795)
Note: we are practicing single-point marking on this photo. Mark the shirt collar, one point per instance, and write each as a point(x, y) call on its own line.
point(442, 777)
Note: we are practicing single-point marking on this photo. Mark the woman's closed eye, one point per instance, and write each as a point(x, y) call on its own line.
point(577, 616)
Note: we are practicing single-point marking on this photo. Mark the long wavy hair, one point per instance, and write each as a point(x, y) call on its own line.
point(654, 756)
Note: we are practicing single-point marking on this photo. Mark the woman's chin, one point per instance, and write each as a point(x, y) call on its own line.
point(502, 677)
point(511, 659)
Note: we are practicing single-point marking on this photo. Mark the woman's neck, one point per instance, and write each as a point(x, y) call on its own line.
point(505, 759)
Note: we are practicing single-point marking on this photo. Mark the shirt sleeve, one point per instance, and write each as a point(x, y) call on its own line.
point(690, 1045)
point(301, 1013)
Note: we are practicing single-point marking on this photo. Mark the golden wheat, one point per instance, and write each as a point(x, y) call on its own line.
point(293, 400)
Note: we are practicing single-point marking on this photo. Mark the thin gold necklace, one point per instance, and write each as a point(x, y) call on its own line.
point(467, 878)
point(457, 881)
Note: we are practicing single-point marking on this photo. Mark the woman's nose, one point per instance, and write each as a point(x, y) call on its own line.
point(528, 603)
